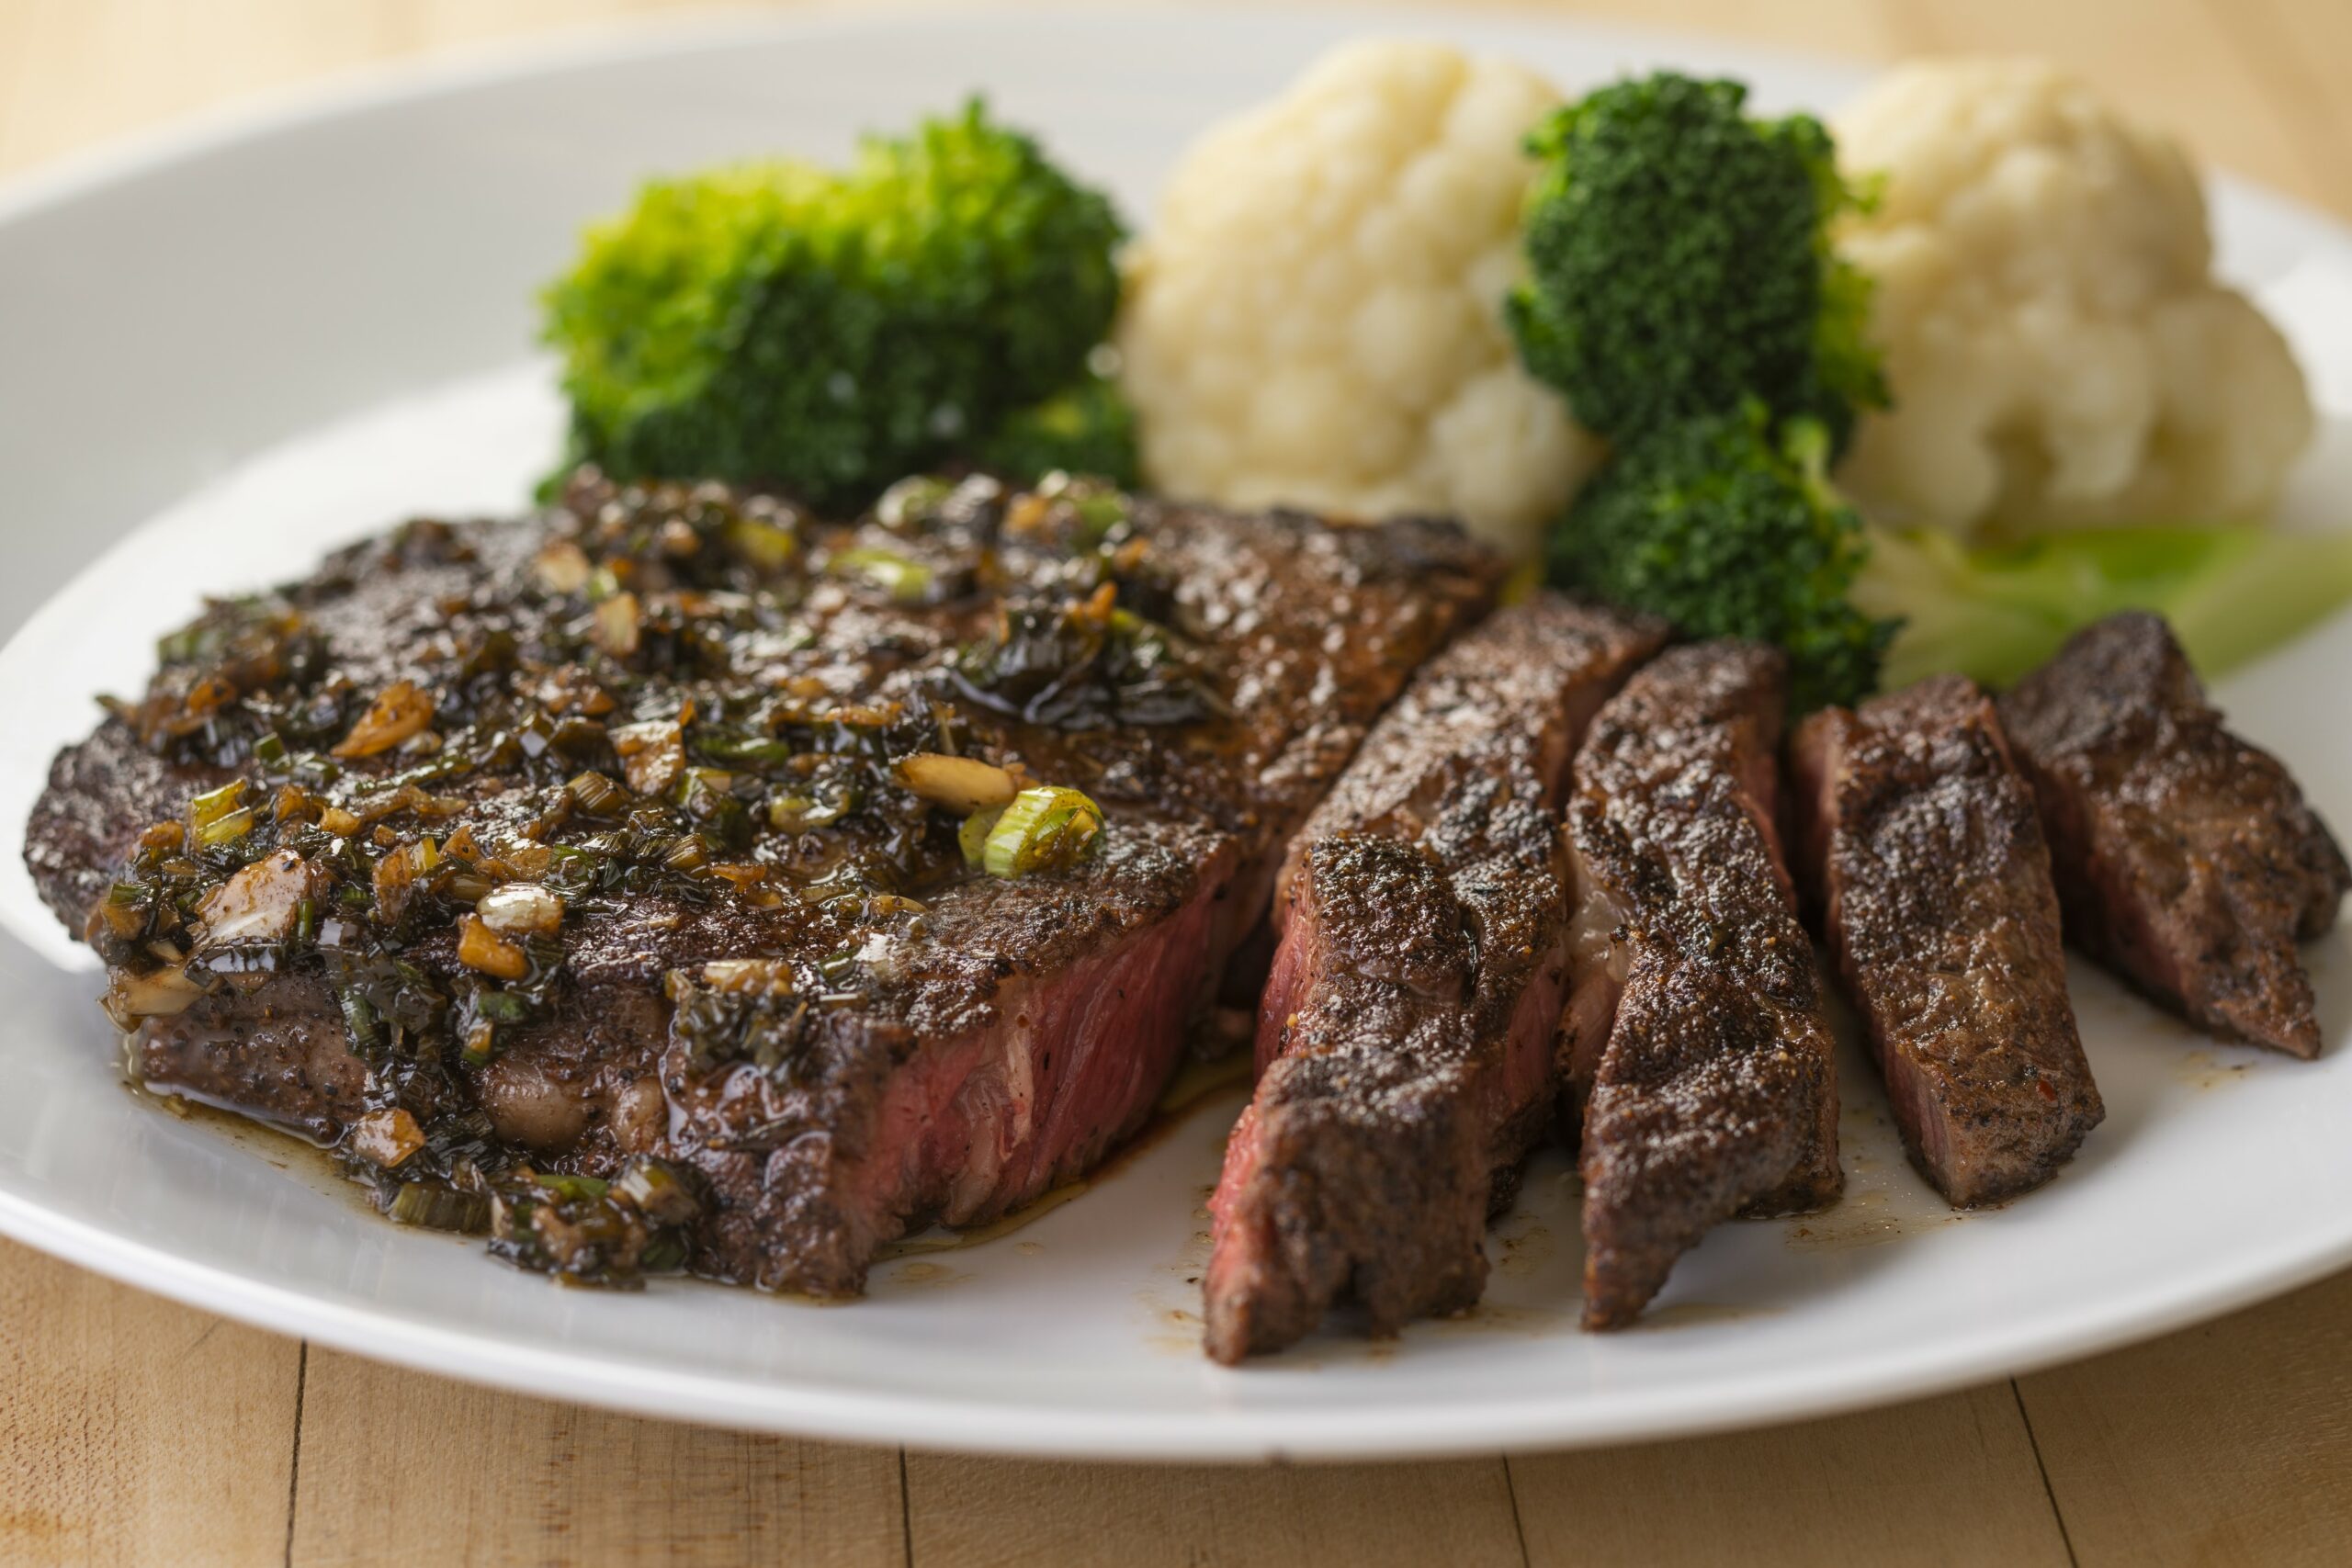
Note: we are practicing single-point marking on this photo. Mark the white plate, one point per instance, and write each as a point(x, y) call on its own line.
point(223, 351)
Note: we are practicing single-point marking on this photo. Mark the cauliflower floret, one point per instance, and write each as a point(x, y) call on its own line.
point(2060, 352)
point(1316, 317)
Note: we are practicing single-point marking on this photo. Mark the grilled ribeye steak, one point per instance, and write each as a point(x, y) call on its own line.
point(1922, 853)
point(1406, 1041)
point(630, 843)
point(1695, 1050)
point(2187, 859)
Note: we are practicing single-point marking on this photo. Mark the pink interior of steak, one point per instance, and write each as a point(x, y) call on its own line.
point(1297, 958)
point(1241, 1234)
point(977, 1123)
point(1519, 1101)
point(1078, 1068)
point(768, 958)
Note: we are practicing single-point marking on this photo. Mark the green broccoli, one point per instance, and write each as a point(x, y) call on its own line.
point(829, 332)
point(1680, 261)
point(1726, 524)
point(1684, 295)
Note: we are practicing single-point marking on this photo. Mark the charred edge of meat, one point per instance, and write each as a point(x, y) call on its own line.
point(1925, 864)
point(1697, 1052)
point(2187, 859)
point(1406, 1036)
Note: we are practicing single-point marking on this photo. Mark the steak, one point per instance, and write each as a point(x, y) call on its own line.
point(1696, 1053)
point(1920, 849)
point(1406, 1042)
point(608, 877)
point(2187, 859)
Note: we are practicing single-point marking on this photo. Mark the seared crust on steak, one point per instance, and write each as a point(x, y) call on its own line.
point(912, 1040)
point(2186, 859)
point(1697, 1053)
point(1922, 853)
point(1406, 1041)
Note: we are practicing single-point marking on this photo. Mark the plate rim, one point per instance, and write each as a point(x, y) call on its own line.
point(875, 1417)
point(1064, 1432)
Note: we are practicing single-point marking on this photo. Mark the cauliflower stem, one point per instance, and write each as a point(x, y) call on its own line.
point(1995, 613)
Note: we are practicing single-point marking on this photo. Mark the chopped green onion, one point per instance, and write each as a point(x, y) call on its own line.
point(910, 501)
point(973, 836)
point(124, 908)
point(729, 748)
point(907, 581)
point(226, 829)
point(659, 1192)
point(763, 547)
point(501, 1007)
point(212, 805)
point(570, 1187)
point(440, 1208)
point(1102, 511)
point(481, 1043)
point(595, 794)
point(1044, 828)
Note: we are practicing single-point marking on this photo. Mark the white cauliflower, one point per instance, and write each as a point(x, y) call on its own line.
point(2060, 353)
point(1316, 318)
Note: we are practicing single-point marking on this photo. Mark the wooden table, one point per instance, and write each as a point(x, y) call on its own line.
point(137, 1432)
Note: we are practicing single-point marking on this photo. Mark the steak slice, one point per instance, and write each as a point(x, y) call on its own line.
point(677, 720)
point(1696, 1053)
point(2186, 858)
point(1919, 846)
point(1406, 1042)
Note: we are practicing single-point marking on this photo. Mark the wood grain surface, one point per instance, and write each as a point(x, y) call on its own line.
point(136, 1431)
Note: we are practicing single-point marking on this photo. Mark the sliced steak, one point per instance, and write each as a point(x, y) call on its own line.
point(2187, 859)
point(1406, 1042)
point(677, 724)
point(1919, 846)
point(1696, 1053)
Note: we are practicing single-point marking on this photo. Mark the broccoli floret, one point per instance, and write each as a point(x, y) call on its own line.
point(828, 332)
point(1089, 429)
point(1679, 261)
point(1727, 526)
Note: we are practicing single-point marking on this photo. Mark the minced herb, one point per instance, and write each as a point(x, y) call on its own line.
point(621, 719)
